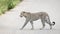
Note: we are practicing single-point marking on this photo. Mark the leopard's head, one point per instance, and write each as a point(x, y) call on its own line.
point(23, 13)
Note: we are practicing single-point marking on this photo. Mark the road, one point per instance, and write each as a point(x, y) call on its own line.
point(10, 22)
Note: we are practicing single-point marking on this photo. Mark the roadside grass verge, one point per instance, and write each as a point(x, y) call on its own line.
point(7, 5)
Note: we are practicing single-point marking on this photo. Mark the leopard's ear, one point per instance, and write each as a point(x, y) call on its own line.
point(28, 12)
point(23, 11)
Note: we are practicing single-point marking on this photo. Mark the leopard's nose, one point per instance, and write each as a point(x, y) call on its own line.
point(20, 16)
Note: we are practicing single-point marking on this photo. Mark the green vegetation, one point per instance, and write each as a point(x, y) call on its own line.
point(7, 5)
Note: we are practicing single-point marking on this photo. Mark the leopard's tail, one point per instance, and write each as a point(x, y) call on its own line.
point(53, 23)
